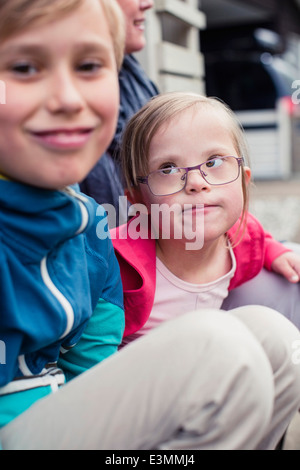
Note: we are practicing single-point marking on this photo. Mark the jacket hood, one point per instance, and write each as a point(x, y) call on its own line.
point(33, 221)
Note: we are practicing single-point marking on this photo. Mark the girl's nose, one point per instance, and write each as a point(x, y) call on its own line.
point(65, 96)
point(195, 182)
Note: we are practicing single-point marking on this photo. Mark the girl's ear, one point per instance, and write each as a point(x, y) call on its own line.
point(134, 195)
point(247, 173)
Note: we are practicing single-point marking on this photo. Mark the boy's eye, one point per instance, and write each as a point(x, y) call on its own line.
point(89, 66)
point(24, 69)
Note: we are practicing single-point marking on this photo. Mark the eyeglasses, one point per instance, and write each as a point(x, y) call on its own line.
point(172, 180)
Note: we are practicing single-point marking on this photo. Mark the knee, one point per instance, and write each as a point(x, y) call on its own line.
point(231, 369)
point(279, 337)
point(216, 338)
point(280, 340)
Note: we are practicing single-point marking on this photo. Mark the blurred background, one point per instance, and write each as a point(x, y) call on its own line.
point(246, 52)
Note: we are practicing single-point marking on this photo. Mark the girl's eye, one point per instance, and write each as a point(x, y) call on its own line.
point(214, 163)
point(169, 169)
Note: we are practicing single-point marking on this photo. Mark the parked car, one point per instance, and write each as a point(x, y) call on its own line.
point(258, 86)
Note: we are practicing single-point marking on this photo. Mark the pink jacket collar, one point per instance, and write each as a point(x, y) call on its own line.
point(137, 259)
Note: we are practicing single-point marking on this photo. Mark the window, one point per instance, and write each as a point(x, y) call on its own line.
point(242, 85)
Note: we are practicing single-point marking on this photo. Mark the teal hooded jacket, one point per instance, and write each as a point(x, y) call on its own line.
point(61, 298)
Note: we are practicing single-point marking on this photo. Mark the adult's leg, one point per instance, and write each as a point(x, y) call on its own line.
point(202, 381)
point(269, 289)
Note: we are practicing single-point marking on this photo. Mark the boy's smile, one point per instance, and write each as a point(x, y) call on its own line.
point(63, 139)
point(62, 98)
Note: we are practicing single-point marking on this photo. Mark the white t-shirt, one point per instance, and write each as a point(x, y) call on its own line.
point(175, 297)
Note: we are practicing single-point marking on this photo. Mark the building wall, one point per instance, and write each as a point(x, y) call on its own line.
point(172, 57)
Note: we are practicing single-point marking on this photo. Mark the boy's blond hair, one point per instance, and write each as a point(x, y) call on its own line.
point(162, 109)
point(19, 15)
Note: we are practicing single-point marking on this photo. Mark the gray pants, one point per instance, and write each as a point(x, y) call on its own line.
point(208, 380)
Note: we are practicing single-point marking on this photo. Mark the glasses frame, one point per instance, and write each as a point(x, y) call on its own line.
point(144, 179)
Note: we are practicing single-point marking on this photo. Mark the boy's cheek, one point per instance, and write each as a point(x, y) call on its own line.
point(111, 111)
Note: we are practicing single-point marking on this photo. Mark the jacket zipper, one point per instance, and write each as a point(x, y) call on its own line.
point(45, 273)
point(53, 289)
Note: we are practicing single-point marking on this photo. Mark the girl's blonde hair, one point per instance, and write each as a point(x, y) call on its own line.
point(19, 15)
point(161, 109)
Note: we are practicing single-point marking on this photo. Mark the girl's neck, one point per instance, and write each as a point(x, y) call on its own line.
point(196, 266)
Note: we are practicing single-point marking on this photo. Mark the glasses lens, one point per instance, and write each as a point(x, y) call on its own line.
point(221, 170)
point(167, 181)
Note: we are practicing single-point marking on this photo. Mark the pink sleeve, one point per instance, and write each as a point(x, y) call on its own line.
point(273, 249)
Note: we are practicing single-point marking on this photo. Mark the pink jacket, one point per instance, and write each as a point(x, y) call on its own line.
point(137, 260)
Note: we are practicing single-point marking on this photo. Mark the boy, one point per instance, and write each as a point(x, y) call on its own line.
point(62, 107)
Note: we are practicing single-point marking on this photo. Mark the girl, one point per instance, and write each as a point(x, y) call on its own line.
point(188, 151)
